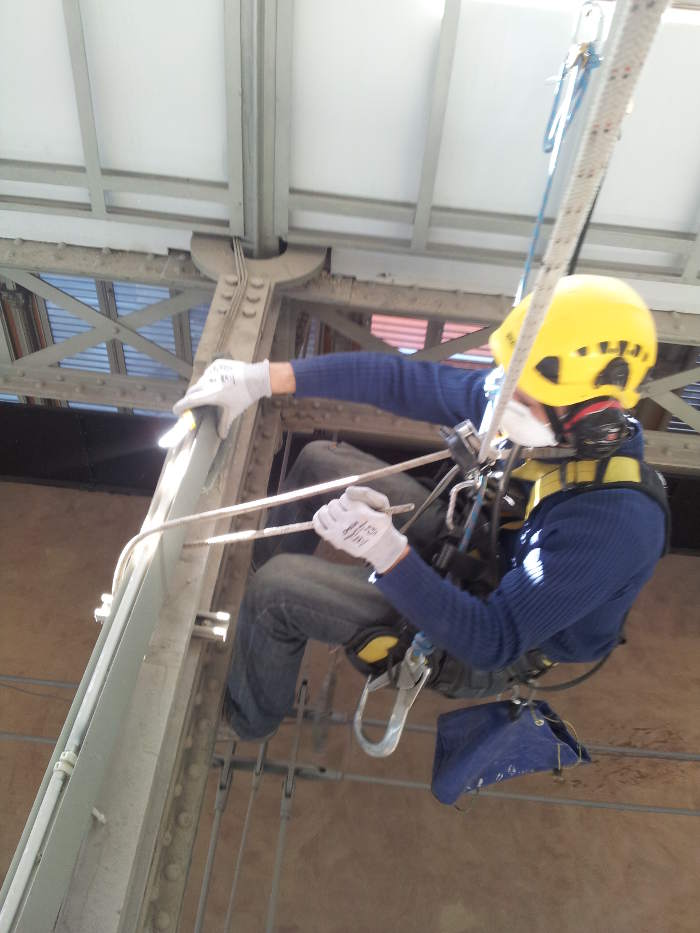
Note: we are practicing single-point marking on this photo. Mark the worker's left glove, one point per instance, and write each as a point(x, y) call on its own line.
point(357, 524)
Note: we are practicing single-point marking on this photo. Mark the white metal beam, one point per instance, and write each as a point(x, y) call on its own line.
point(436, 121)
point(668, 383)
point(83, 99)
point(103, 329)
point(234, 128)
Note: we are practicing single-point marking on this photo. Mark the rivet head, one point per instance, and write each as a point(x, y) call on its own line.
point(203, 725)
point(256, 282)
point(116, 330)
point(223, 308)
point(251, 296)
point(39, 384)
point(172, 871)
point(162, 920)
point(227, 293)
point(249, 312)
point(194, 772)
point(184, 819)
point(231, 279)
point(167, 838)
point(177, 790)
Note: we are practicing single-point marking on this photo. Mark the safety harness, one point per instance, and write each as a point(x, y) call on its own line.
point(379, 648)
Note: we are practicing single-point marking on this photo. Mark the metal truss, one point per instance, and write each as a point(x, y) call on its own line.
point(146, 720)
point(669, 452)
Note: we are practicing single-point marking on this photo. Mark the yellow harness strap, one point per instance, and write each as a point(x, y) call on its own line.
point(547, 480)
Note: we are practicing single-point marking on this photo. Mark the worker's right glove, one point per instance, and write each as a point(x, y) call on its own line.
point(232, 386)
point(358, 524)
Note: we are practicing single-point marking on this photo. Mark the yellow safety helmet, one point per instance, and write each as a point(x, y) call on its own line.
point(598, 339)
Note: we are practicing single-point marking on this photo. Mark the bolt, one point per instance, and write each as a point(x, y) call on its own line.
point(184, 819)
point(231, 279)
point(162, 920)
point(172, 871)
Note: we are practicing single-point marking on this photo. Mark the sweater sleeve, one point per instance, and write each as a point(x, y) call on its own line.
point(421, 390)
point(583, 556)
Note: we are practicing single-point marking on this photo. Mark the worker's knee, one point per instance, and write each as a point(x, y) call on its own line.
point(316, 462)
point(278, 581)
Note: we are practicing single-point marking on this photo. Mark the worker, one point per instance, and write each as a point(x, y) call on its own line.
point(568, 575)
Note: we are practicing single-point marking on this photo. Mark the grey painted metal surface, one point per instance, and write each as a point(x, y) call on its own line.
point(673, 453)
point(436, 121)
point(83, 99)
point(91, 388)
point(175, 270)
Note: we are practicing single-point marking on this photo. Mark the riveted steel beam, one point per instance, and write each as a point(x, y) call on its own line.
point(174, 270)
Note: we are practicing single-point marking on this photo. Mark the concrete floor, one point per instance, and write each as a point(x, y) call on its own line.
point(363, 857)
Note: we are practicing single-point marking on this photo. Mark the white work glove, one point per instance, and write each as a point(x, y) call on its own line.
point(230, 385)
point(355, 524)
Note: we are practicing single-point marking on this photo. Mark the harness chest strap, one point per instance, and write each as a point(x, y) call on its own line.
point(585, 475)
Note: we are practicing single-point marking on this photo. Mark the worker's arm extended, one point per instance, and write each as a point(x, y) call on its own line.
point(587, 555)
point(421, 390)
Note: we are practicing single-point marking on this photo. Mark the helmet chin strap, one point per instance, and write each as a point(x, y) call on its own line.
point(595, 428)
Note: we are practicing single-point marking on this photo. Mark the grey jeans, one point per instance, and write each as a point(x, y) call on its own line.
point(294, 596)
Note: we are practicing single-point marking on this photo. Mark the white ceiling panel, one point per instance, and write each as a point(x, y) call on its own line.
point(654, 175)
point(157, 75)
point(38, 115)
point(25, 189)
point(499, 104)
point(360, 90)
point(79, 232)
point(188, 207)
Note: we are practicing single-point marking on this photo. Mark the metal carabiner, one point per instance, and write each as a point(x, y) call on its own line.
point(413, 675)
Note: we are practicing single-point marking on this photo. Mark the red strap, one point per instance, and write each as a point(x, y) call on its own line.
point(593, 409)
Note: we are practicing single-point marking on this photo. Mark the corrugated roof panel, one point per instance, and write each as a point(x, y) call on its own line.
point(130, 297)
point(65, 325)
point(408, 334)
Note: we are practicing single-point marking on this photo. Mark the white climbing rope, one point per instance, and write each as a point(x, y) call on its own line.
point(633, 30)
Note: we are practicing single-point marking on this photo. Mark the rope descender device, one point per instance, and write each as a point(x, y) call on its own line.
point(414, 671)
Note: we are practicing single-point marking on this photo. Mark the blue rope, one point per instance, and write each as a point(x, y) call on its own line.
point(585, 62)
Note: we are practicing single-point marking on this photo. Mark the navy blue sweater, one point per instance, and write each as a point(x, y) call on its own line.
point(572, 571)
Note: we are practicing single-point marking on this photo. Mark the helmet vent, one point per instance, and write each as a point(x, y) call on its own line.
point(549, 368)
point(616, 373)
point(582, 351)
